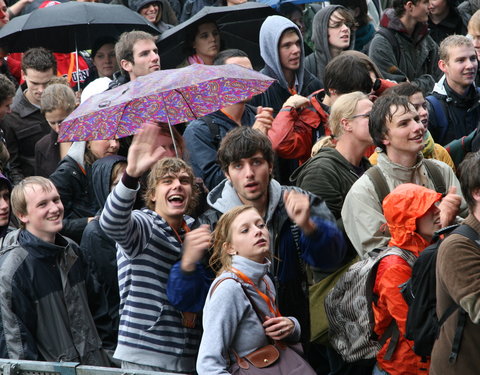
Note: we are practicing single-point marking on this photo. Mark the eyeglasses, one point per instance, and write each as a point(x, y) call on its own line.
point(362, 115)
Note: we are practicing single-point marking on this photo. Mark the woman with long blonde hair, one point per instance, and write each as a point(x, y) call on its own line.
point(338, 161)
point(330, 174)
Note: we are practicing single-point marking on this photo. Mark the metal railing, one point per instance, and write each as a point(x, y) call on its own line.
point(19, 367)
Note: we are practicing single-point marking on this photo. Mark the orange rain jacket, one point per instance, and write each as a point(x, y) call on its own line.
point(402, 207)
point(292, 132)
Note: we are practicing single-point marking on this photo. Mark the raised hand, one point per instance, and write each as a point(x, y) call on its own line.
point(296, 101)
point(297, 206)
point(263, 119)
point(196, 243)
point(449, 207)
point(145, 150)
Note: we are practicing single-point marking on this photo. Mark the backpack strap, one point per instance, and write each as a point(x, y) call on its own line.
point(214, 130)
point(379, 182)
point(447, 313)
point(467, 231)
point(295, 230)
point(440, 114)
point(462, 319)
point(442, 231)
point(392, 330)
point(381, 186)
point(436, 176)
point(390, 36)
point(393, 333)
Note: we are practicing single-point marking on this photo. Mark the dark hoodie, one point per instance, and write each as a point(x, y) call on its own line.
point(168, 17)
point(270, 35)
point(467, 8)
point(306, 83)
point(318, 60)
point(98, 249)
point(417, 58)
point(452, 24)
point(330, 176)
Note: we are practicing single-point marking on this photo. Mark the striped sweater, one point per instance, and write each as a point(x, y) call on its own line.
point(151, 331)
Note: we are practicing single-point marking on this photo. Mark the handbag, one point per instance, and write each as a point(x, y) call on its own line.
point(273, 359)
point(317, 295)
point(276, 358)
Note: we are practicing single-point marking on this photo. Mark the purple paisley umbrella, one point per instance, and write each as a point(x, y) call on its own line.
point(170, 96)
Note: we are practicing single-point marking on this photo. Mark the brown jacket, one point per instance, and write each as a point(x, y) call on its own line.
point(458, 281)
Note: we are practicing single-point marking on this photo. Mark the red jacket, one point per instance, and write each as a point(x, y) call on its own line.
point(401, 208)
point(292, 132)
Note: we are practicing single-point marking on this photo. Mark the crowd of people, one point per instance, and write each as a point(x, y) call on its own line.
point(192, 249)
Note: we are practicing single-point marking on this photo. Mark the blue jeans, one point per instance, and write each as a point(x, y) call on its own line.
point(377, 371)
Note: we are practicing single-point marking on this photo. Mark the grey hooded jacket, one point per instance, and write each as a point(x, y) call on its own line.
point(306, 83)
point(318, 60)
point(230, 322)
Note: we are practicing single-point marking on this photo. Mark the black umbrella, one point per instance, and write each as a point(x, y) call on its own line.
point(239, 27)
point(70, 26)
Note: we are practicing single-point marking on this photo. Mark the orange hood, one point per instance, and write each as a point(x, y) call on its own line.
point(402, 207)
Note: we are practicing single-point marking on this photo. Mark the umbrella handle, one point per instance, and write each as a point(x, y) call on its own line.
point(76, 61)
point(170, 127)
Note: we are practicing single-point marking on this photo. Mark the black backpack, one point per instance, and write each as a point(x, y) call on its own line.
point(423, 325)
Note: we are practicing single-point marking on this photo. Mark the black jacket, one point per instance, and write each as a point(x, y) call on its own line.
point(276, 95)
point(463, 113)
point(452, 24)
point(76, 191)
point(23, 128)
point(47, 155)
point(118, 79)
point(202, 146)
point(51, 307)
point(98, 249)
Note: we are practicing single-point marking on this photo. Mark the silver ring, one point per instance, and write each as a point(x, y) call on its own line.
point(281, 331)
